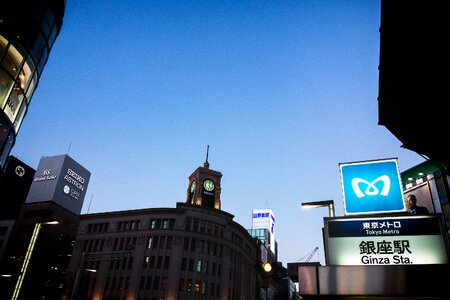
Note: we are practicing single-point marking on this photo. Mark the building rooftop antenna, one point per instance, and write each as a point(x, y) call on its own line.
point(206, 164)
point(89, 206)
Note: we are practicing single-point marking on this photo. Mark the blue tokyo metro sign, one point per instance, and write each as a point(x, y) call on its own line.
point(371, 187)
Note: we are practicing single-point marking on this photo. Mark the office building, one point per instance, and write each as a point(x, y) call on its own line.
point(36, 252)
point(265, 219)
point(28, 30)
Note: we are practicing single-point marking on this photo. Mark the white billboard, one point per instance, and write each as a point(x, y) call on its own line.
point(265, 219)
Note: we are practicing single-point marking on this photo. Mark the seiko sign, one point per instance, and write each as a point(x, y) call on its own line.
point(62, 180)
point(76, 181)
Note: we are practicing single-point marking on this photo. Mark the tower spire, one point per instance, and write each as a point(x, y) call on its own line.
point(206, 164)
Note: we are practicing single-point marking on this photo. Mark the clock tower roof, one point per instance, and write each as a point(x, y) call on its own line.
point(204, 186)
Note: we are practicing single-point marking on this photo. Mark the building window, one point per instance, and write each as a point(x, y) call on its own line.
point(169, 242)
point(149, 283)
point(205, 267)
point(203, 288)
point(181, 285)
point(146, 261)
point(199, 266)
point(195, 225)
point(166, 262)
point(186, 244)
point(152, 262)
point(161, 223)
point(197, 287)
point(141, 283)
point(191, 265)
point(183, 264)
point(189, 286)
point(159, 262)
point(163, 283)
point(156, 283)
point(212, 288)
point(162, 241)
point(193, 245)
point(188, 224)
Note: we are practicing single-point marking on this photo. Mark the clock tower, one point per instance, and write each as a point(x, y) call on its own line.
point(204, 186)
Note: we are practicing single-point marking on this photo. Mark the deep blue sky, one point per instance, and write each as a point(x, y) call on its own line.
point(282, 91)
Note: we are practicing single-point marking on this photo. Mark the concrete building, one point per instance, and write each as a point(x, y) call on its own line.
point(192, 251)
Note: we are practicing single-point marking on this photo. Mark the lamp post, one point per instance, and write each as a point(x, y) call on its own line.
point(34, 236)
point(84, 259)
point(328, 203)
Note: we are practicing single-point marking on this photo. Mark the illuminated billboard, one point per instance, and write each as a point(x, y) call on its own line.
point(387, 240)
point(62, 180)
point(265, 219)
point(371, 187)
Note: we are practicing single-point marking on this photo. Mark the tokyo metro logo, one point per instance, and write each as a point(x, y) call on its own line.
point(372, 187)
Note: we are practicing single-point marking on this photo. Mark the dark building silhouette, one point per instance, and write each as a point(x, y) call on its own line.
point(412, 76)
point(47, 267)
point(35, 255)
point(14, 185)
point(28, 30)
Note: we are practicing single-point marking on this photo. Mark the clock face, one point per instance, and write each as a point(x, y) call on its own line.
point(192, 186)
point(208, 185)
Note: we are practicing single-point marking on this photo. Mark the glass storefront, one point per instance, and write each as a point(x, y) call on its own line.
point(23, 56)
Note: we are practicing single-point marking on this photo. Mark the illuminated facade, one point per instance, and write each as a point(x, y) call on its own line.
point(28, 30)
point(265, 219)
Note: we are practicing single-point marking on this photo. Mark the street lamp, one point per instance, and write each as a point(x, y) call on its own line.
point(82, 267)
point(328, 203)
point(34, 236)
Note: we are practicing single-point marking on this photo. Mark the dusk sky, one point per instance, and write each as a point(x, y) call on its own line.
point(281, 91)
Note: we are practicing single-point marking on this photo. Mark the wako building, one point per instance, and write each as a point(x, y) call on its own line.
point(28, 30)
point(192, 251)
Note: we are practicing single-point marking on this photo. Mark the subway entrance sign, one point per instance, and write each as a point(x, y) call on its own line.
point(385, 240)
point(371, 187)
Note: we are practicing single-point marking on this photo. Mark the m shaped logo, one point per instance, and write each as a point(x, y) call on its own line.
point(372, 187)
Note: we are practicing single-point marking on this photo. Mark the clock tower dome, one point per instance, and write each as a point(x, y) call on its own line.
point(204, 186)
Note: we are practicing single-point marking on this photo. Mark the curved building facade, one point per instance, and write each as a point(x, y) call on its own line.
point(188, 252)
point(28, 30)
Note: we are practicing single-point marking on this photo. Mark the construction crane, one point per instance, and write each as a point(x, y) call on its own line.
point(308, 256)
